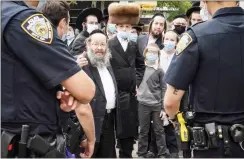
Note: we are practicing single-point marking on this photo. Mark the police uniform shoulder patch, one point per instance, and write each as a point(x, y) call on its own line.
point(185, 40)
point(38, 27)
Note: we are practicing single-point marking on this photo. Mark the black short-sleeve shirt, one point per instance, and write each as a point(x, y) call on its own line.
point(34, 63)
point(209, 58)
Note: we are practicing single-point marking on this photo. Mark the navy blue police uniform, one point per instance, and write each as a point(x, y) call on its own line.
point(209, 59)
point(34, 63)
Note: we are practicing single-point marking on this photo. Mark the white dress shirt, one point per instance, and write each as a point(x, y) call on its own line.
point(108, 86)
point(151, 40)
point(123, 42)
point(165, 60)
point(69, 41)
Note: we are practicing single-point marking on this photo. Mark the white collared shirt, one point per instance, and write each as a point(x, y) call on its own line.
point(124, 43)
point(108, 86)
point(165, 60)
point(70, 41)
point(151, 40)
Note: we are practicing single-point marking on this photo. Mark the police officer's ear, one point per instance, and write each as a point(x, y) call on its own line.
point(63, 23)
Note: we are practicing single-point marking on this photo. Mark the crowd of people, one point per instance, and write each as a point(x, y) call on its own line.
point(150, 54)
point(132, 81)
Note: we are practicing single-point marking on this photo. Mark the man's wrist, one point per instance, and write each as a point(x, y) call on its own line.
point(91, 141)
point(172, 118)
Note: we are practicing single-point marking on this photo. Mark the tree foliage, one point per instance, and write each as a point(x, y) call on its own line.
point(180, 7)
point(72, 2)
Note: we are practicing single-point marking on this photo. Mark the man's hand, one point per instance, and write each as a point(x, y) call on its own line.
point(85, 117)
point(81, 60)
point(88, 148)
point(67, 101)
point(163, 115)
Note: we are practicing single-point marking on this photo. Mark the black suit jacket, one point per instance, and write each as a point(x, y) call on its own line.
point(99, 102)
point(128, 67)
point(79, 45)
point(143, 41)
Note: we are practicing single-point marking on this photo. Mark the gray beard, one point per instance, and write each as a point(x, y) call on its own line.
point(99, 61)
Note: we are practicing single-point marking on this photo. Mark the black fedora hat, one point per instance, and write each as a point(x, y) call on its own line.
point(195, 8)
point(105, 14)
point(84, 13)
point(138, 27)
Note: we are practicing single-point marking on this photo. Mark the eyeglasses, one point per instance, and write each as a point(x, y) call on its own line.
point(152, 50)
point(97, 44)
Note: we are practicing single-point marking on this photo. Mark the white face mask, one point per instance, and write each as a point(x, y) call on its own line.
point(204, 13)
point(64, 37)
point(91, 27)
point(70, 35)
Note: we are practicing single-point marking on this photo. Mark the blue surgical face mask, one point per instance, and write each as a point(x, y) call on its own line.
point(169, 45)
point(204, 14)
point(111, 28)
point(133, 37)
point(151, 59)
point(123, 34)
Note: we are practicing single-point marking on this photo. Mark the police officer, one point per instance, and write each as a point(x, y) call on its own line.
point(209, 58)
point(35, 66)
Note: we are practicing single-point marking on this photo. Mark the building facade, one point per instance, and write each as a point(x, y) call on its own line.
point(75, 9)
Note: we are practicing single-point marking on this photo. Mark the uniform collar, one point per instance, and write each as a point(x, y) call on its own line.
point(229, 11)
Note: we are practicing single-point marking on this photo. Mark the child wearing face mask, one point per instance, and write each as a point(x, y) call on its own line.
point(170, 41)
point(150, 96)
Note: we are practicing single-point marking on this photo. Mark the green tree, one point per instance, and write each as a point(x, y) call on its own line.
point(179, 7)
point(73, 2)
